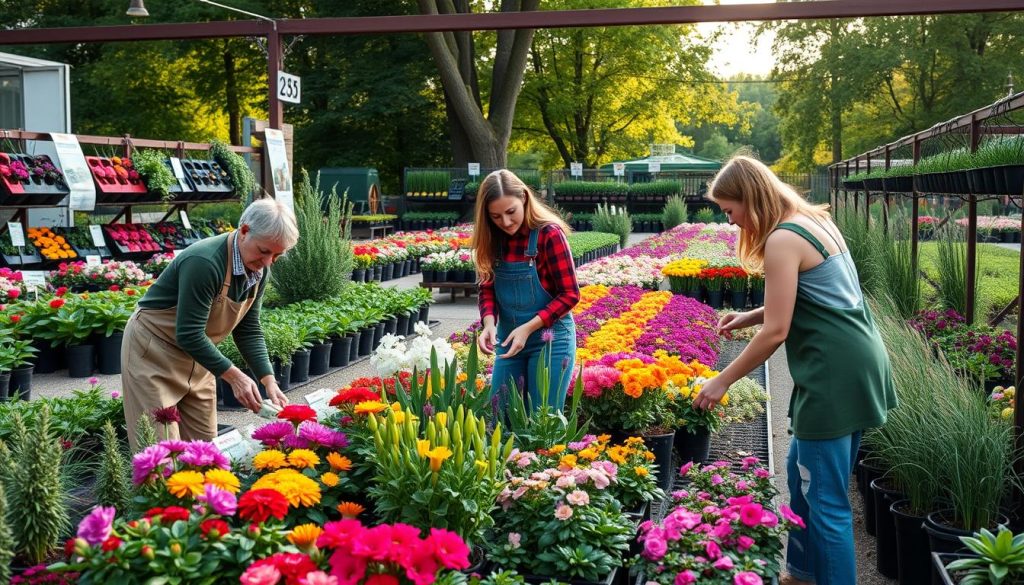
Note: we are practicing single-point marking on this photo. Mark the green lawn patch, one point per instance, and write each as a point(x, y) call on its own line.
point(998, 269)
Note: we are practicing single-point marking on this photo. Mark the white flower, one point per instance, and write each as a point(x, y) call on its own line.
point(422, 329)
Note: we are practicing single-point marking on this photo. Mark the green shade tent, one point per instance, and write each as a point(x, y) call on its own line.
point(362, 184)
point(670, 162)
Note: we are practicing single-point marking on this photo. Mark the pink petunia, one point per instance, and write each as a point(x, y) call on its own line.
point(750, 514)
point(747, 578)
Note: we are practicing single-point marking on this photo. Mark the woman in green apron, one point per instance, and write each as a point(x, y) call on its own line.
point(841, 373)
point(211, 290)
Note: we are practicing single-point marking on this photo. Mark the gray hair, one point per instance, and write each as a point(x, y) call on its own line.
point(269, 219)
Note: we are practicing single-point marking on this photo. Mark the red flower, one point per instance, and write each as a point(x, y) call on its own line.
point(57, 303)
point(112, 543)
point(212, 524)
point(153, 512)
point(259, 505)
point(13, 293)
point(354, 396)
point(15, 318)
point(297, 413)
point(114, 288)
point(61, 290)
point(167, 415)
point(172, 514)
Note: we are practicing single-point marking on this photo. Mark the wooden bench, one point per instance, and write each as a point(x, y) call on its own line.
point(454, 287)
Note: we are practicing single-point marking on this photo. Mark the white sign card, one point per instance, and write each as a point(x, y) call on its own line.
point(654, 167)
point(280, 174)
point(76, 171)
point(179, 173)
point(474, 169)
point(97, 236)
point(93, 260)
point(289, 87)
point(576, 169)
point(17, 233)
point(34, 278)
point(232, 444)
point(619, 169)
point(184, 220)
point(320, 400)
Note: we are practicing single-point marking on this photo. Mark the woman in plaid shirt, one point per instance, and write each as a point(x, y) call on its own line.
point(527, 289)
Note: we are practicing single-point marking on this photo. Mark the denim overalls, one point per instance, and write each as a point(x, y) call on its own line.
point(520, 297)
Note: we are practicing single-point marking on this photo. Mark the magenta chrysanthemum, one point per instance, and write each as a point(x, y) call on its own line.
point(328, 438)
point(148, 460)
point(221, 502)
point(204, 454)
point(273, 434)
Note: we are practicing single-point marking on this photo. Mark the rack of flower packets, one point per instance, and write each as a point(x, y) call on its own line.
point(420, 476)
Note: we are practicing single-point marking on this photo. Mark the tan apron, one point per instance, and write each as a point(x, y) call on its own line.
point(157, 373)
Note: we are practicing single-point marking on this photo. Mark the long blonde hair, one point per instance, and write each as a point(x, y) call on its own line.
point(767, 201)
point(487, 240)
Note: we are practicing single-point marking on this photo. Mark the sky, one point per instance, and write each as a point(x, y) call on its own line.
point(736, 51)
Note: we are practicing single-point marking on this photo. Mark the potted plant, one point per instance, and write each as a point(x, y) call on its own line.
point(14, 353)
point(713, 281)
point(684, 276)
point(993, 558)
point(757, 289)
point(109, 313)
point(736, 282)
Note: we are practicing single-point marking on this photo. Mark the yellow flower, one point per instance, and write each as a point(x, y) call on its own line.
point(640, 471)
point(604, 438)
point(303, 459)
point(557, 449)
point(298, 489)
point(634, 441)
point(350, 509)
point(589, 454)
point(567, 461)
point(1007, 412)
point(305, 535)
point(437, 456)
point(269, 459)
point(461, 377)
point(725, 400)
point(339, 462)
point(185, 483)
point(422, 447)
point(370, 407)
point(330, 479)
point(617, 455)
point(396, 407)
point(223, 479)
point(441, 418)
point(648, 456)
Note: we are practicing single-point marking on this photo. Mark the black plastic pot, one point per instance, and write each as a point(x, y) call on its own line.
point(886, 560)
point(391, 326)
point(366, 340)
point(5, 381)
point(402, 326)
point(715, 299)
point(353, 350)
point(757, 298)
point(425, 314)
point(378, 333)
point(47, 358)
point(377, 272)
point(300, 367)
point(81, 360)
point(283, 375)
point(359, 275)
point(738, 299)
point(869, 473)
point(21, 382)
point(661, 447)
point(387, 272)
point(340, 350)
point(320, 358)
point(108, 354)
point(913, 556)
point(694, 447)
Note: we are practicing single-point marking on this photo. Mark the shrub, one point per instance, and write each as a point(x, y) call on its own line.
point(705, 215)
point(610, 220)
point(319, 265)
point(674, 213)
point(112, 481)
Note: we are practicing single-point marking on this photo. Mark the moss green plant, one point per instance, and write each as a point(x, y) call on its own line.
point(112, 487)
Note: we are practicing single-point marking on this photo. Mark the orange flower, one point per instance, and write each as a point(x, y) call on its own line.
point(339, 462)
point(305, 535)
point(350, 509)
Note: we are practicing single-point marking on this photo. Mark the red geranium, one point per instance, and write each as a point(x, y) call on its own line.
point(172, 514)
point(297, 413)
point(57, 303)
point(259, 505)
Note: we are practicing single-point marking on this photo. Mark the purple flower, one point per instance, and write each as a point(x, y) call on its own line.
point(148, 460)
point(204, 454)
point(273, 434)
point(174, 445)
point(96, 527)
point(328, 438)
point(221, 502)
point(428, 410)
point(295, 442)
point(547, 335)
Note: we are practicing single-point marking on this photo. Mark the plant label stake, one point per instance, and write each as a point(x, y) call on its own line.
point(179, 173)
point(619, 169)
point(97, 236)
point(318, 400)
point(654, 167)
point(576, 169)
point(17, 233)
point(34, 280)
point(184, 220)
point(232, 444)
point(474, 169)
point(92, 260)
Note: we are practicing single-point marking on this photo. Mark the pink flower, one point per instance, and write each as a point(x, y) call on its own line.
point(115, 395)
point(563, 512)
point(348, 569)
point(749, 461)
point(686, 578)
point(769, 519)
point(422, 567)
point(449, 549)
point(685, 468)
point(318, 578)
point(95, 528)
point(712, 550)
point(744, 543)
point(761, 473)
point(716, 479)
point(261, 575)
point(746, 578)
point(578, 498)
point(93, 380)
point(791, 516)
point(375, 543)
point(722, 530)
point(514, 538)
point(723, 564)
point(750, 514)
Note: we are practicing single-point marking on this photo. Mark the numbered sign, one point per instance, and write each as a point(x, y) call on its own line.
point(619, 169)
point(289, 87)
point(474, 169)
point(576, 169)
point(17, 233)
point(97, 236)
point(654, 167)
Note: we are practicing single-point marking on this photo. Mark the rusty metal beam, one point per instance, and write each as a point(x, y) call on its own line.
point(515, 20)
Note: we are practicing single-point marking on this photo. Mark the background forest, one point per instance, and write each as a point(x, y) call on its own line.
point(532, 98)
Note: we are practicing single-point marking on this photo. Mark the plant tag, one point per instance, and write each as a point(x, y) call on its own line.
point(474, 169)
point(319, 401)
point(17, 233)
point(619, 169)
point(93, 260)
point(576, 169)
point(97, 236)
point(184, 219)
point(269, 410)
point(179, 173)
point(232, 444)
point(34, 278)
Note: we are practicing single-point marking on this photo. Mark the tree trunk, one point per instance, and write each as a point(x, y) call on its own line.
point(837, 121)
point(231, 93)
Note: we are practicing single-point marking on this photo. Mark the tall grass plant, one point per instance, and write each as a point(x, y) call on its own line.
point(675, 212)
point(611, 220)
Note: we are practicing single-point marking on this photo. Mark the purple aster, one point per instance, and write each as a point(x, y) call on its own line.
point(95, 528)
point(148, 460)
point(174, 445)
point(221, 502)
point(204, 454)
point(328, 438)
point(295, 442)
point(272, 434)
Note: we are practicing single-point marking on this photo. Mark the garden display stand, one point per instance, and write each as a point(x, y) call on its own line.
point(469, 288)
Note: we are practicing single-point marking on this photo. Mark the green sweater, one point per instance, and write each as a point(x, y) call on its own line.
point(190, 283)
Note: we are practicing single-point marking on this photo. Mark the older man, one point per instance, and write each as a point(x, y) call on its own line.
point(212, 289)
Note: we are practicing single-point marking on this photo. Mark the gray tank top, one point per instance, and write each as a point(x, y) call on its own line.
point(834, 282)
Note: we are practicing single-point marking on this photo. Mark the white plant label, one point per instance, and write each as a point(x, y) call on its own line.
point(654, 167)
point(97, 236)
point(474, 169)
point(17, 233)
point(619, 169)
point(34, 278)
point(576, 169)
point(184, 220)
point(93, 260)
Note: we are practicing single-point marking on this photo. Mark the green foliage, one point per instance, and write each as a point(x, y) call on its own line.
point(675, 212)
point(612, 220)
point(582, 242)
point(999, 557)
point(318, 266)
point(77, 417)
point(112, 487)
point(898, 275)
point(951, 262)
point(241, 175)
point(158, 176)
point(145, 432)
point(433, 182)
point(7, 541)
point(705, 215)
point(36, 507)
point(541, 426)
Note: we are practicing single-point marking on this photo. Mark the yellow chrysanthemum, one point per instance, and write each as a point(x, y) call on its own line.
point(298, 489)
point(269, 459)
point(223, 479)
point(350, 509)
point(567, 461)
point(185, 484)
point(370, 407)
point(588, 454)
point(330, 479)
point(631, 441)
point(557, 449)
point(617, 455)
point(339, 462)
point(303, 459)
point(304, 535)
point(640, 471)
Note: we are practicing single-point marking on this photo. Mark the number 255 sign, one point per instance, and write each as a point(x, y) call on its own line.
point(288, 87)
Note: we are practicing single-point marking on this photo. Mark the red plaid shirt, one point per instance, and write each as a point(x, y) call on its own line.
point(555, 268)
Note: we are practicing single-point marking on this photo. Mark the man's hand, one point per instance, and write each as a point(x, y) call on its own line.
point(244, 388)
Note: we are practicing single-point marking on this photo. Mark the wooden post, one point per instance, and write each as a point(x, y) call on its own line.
point(273, 66)
point(972, 234)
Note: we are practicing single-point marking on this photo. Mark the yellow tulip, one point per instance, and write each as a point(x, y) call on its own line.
point(422, 447)
point(437, 456)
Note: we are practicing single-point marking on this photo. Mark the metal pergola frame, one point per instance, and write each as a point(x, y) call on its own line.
point(273, 30)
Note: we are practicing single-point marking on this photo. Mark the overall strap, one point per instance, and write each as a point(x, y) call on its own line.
point(819, 224)
point(802, 231)
point(531, 249)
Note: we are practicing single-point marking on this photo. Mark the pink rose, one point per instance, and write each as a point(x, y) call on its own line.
point(563, 512)
point(746, 578)
point(686, 578)
point(723, 564)
point(655, 547)
point(261, 575)
point(744, 542)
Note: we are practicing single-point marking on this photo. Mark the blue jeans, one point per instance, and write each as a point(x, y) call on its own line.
point(522, 369)
point(819, 479)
